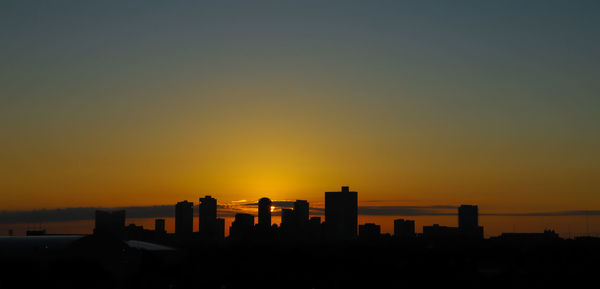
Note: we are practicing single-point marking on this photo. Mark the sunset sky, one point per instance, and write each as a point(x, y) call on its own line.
point(137, 103)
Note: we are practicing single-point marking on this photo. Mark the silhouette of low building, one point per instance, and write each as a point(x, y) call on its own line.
point(404, 229)
point(369, 231)
point(546, 235)
point(134, 232)
point(437, 232)
point(220, 229)
point(315, 228)
point(35, 233)
point(110, 223)
point(341, 214)
point(242, 227)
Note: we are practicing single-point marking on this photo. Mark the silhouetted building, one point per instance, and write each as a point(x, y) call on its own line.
point(369, 231)
point(184, 219)
point(437, 232)
point(287, 217)
point(468, 222)
point(110, 223)
point(315, 228)
point(264, 213)
point(341, 214)
point(296, 223)
point(546, 235)
point(159, 228)
point(315, 221)
point(286, 228)
point(207, 218)
point(301, 212)
point(404, 229)
point(242, 227)
point(220, 229)
point(35, 233)
point(134, 232)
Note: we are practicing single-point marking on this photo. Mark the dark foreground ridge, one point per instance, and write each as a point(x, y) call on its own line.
point(98, 262)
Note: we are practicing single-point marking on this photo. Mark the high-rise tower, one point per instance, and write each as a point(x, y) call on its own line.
point(264, 212)
point(341, 214)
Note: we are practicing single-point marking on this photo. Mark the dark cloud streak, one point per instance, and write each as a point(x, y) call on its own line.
point(225, 210)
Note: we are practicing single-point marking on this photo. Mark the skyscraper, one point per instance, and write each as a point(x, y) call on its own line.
point(207, 218)
point(341, 214)
point(264, 213)
point(468, 217)
point(184, 219)
point(468, 222)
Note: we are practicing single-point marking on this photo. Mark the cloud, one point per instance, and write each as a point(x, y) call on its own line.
point(548, 214)
point(279, 204)
point(407, 210)
point(229, 210)
point(87, 213)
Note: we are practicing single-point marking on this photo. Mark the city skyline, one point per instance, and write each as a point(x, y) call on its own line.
point(298, 224)
point(587, 222)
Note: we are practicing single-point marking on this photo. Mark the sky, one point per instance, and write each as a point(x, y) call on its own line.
point(418, 103)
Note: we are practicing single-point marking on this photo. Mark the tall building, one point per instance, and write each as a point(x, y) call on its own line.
point(184, 219)
point(264, 213)
point(242, 227)
point(468, 217)
point(110, 223)
point(341, 214)
point(468, 222)
point(301, 212)
point(404, 229)
point(207, 218)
